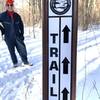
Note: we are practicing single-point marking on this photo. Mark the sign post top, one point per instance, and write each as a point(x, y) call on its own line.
point(60, 7)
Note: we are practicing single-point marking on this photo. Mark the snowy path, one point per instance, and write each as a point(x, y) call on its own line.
point(22, 83)
point(25, 83)
point(88, 65)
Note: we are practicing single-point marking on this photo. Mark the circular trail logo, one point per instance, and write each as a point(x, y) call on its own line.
point(60, 7)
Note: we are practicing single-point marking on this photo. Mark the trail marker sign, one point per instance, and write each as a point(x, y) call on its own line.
point(59, 49)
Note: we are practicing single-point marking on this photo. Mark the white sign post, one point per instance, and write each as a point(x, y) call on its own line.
point(59, 49)
point(60, 40)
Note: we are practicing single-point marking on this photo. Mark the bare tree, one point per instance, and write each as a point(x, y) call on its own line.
point(1, 5)
point(89, 13)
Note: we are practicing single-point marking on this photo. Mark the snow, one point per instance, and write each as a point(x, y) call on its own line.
point(25, 83)
point(88, 65)
point(22, 83)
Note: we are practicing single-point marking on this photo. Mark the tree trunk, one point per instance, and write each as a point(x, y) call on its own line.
point(87, 13)
point(85, 19)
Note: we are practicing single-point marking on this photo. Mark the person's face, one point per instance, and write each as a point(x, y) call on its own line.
point(10, 7)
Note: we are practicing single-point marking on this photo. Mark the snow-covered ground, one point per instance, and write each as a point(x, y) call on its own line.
point(22, 83)
point(25, 83)
point(88, 65)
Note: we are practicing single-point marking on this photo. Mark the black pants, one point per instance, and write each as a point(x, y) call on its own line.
point(21, 48)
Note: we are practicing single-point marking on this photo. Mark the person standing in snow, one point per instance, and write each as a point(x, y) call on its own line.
point(13, 30)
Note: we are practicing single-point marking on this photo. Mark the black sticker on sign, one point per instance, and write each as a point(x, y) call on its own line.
point(60, 7)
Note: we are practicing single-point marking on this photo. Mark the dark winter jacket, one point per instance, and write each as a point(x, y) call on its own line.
point(12, 28)
point(2, 30)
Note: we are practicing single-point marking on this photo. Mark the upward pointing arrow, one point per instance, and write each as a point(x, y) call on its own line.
point(66, 31)
point(65, 94)
point(65, 65)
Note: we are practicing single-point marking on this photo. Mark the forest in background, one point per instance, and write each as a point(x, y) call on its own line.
point(88, 13)
point(31, 12)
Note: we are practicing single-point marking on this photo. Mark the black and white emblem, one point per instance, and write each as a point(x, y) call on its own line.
point(60, 7)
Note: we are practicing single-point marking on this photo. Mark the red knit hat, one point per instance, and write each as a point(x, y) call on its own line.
point(9, 1)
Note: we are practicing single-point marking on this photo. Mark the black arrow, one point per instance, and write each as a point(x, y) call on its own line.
point(65, 65)
point(66, 31)
point(65, 94)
